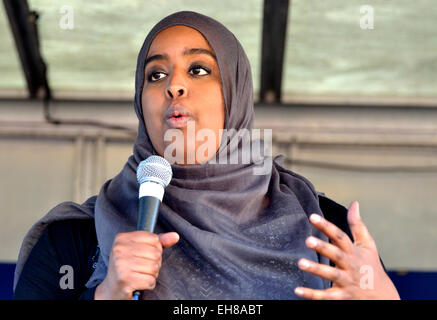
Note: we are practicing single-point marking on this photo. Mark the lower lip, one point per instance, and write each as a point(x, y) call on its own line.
point(178, 122)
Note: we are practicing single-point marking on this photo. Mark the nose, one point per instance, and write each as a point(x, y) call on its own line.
point(175, 91)
point(176, 88)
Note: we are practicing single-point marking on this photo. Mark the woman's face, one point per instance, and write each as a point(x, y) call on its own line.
point(182, 77)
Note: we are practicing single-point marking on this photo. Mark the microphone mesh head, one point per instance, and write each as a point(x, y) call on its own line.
point(154, 168)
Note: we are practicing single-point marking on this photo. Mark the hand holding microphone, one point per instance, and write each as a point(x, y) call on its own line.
point(136, 257)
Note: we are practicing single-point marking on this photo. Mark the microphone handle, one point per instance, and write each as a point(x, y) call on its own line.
point(148, 208)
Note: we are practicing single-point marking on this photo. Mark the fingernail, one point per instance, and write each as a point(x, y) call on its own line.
point(358, 209)
point(312, 242)
point(304, 264)
point(173, 234)
point(315, 218)
point(298, 291)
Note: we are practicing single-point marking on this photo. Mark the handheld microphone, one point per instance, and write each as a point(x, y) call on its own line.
point(153, 175)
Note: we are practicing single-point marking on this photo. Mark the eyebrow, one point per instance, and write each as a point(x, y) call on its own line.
point(185, 53)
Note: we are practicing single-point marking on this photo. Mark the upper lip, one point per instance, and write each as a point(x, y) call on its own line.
point(176, 110)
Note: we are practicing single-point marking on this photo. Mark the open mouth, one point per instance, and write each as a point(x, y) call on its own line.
point(178, 121)
point(177, 116)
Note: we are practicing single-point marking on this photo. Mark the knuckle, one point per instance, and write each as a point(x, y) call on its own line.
point(349, 280)
point(119, 237)
point(156, 267)
point(339, 235)
point(336, 275)
point(317, 295)
point(324, 223)
point(339, 255)
point(314, 267)
point(355, 272)
point(156, 254)
point(117, 250)
point(320, 245)
point(159, 247)
point(151, 282)
point(154, 237)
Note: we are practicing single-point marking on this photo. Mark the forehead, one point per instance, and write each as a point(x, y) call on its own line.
point(177, 37)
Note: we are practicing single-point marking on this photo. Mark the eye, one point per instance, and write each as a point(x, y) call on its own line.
point(199, 70)
point(155, 76)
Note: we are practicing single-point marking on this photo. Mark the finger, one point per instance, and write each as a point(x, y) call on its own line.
point(139, 236)
point(335, 275)
point(333, 232)
point(358, 228)
point(139, 281)
point(145, 266)
point(316, 294)
point(332, 252)
point(137, 249)
point(168, 239)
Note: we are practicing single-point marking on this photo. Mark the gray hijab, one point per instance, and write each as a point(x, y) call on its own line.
point(241, 234)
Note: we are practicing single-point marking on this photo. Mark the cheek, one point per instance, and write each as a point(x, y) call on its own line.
point(152, 117)
point(212, 112)
point(151, 106)
point(212, 108)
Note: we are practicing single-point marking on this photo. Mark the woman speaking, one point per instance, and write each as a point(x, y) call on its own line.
point(223, 232)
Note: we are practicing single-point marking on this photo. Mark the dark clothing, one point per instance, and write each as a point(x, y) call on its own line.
point(68, 242)
point(74, 243)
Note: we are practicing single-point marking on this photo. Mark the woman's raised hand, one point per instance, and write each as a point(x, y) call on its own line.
point(358, 273)
point(134, 263)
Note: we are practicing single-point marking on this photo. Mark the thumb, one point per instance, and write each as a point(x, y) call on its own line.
point(358, 228)
point(168, 239)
